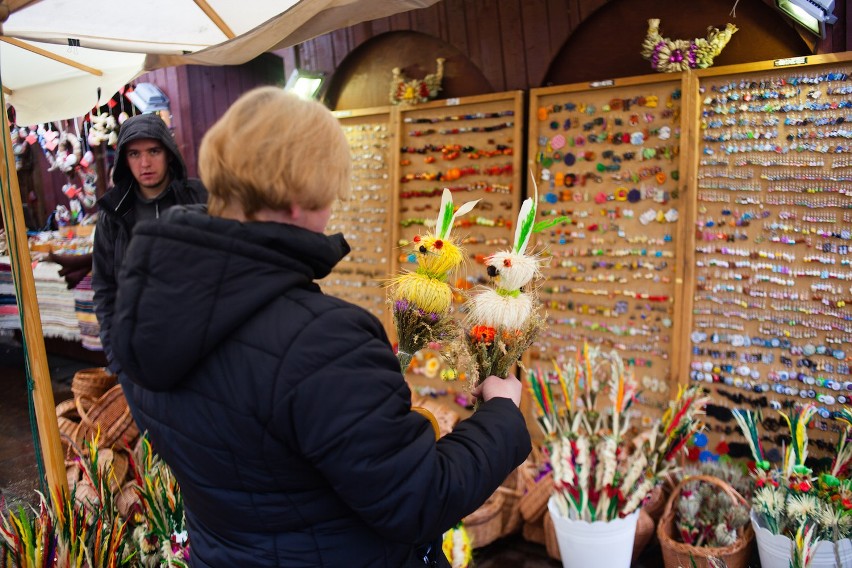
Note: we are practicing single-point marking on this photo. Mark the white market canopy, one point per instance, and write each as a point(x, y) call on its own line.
point(55, 54)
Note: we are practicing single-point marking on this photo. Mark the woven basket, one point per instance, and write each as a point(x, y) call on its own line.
point(534, 532)
point(677, 554)
point(550, 542)
point(109, 414)
point(485, 525)
point(68, 409)
point(92, 383)
point(534, 502)
point(72, 435)
point(127, 501)
point(515, 486)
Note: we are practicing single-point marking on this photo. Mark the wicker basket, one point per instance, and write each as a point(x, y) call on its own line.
point(92, 383)
point(68, 409)
point(485, 525)
point(534, 532)
point(677, 554)
point(513, 489)
point(110, 415)
point(550, 541)
point(534, 502)
point(72, 435)
point(127, 500)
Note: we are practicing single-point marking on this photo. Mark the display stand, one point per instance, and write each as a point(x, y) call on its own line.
point(366, 219)
point(607, 156)
point(768, 321)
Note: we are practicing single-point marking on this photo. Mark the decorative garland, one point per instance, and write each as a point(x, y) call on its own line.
point(672, 56)
point(412, 91)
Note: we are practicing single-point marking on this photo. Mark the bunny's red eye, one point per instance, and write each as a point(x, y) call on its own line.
point(438, 244)
point(416, 239)
point(507, 262)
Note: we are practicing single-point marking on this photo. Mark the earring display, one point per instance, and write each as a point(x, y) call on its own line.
point(769, 325)
point(365, 219)
point(608, 159)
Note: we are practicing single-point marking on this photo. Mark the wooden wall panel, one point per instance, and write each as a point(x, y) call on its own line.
point(515, 42)
point(456, 25)
point(533, 13)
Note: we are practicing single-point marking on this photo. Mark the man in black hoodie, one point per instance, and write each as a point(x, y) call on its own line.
point(149, 177)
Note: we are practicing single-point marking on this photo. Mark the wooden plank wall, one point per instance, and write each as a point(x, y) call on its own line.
point(200, 95)
point(512, 41)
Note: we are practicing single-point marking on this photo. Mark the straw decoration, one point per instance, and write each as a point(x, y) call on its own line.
point(747, 421)
point(420, 300)
point(583, 410)
point(797, 452)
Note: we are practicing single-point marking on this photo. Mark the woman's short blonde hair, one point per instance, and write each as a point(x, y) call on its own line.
point(272, 149)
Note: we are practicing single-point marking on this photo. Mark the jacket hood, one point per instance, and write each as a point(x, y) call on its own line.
point(191, 280)
point(145, 126)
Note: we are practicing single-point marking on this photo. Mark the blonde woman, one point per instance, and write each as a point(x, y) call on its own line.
point(281, 410)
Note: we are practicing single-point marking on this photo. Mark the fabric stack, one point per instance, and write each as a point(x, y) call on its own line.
point(9, 320)
point(84, 306)
point(55, 302)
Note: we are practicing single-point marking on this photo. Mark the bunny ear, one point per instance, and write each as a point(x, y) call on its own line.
point(526, 219)
point(445, 215)
point(461, 211)
point(523, 230)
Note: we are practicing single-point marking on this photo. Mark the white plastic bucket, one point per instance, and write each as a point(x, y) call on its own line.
point(775, 550)
point(602, 543)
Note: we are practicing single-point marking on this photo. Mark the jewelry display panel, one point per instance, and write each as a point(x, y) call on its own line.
point(606, 157)
point(771, 224)
point(366, 218)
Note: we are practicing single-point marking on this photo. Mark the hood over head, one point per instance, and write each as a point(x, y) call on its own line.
point(139, 127)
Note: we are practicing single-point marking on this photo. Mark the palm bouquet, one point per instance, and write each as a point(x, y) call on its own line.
point(583, 409)
point(421, 300)
point(505, 319)
point(791, 499)
point(161, 536)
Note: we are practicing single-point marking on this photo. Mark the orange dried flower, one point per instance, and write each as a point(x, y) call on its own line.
point(483, 333)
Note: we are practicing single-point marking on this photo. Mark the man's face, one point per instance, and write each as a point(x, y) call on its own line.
point(148, 161)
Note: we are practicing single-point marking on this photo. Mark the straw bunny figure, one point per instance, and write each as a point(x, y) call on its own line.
point(421, 299)
point(437, 255)
point(503, 321)
point(507, 305)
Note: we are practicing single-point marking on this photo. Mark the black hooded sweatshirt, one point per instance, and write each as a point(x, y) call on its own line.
point(281, 410)
point(119, 210)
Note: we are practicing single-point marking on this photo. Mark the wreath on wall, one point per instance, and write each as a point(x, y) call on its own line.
point(671, 56)
point(412, 91)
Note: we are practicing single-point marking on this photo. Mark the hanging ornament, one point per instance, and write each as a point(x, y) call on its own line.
point(671, 56)
point(412, 91)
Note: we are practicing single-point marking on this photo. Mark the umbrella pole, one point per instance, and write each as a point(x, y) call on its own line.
point(45, 407)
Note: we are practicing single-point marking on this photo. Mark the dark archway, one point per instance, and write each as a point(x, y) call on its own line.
point(608, 43)
point(363, 78)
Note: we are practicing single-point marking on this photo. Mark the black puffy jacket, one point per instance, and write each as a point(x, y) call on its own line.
point(281, 410)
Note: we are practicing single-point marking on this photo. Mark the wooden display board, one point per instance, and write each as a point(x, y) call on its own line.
point(366, 218)
point(769, 320)
point(473, 146)
point(607, 156)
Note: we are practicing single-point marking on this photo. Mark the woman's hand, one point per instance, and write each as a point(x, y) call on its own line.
point(495, 387)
